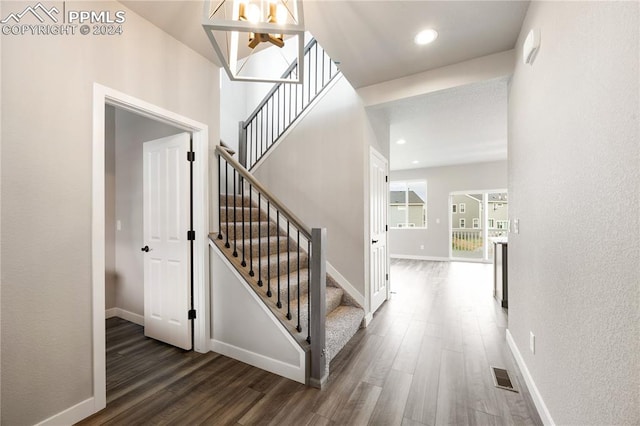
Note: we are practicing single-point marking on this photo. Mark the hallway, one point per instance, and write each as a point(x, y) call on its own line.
point(423, 360)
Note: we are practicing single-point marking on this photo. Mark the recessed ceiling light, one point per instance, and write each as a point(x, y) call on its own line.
point(401, 141)
point(426, 36)
point(415, 162)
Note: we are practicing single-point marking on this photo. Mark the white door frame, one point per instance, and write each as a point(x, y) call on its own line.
point(103, 96)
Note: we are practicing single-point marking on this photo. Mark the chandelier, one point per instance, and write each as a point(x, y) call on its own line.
point(238, 29)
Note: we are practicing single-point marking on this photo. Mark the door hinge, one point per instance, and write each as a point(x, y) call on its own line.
point(191, 314)
point(191, 235)
point(191, 156)
point(387, 277)
point(386, 227)
point(386, 178)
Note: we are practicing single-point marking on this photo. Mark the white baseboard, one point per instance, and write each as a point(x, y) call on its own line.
point(345, 284)
point(543, 411)
point(413, 257)
point(71, 415)
point(293, 372)
point(125, 315)
point(367, 319)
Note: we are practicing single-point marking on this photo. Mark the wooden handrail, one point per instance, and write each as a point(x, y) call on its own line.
point(279, 205)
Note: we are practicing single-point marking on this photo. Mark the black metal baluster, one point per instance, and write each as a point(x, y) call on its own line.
point(268, 248)
point(279, 304)
point(226, 199)
point(309, 291)
point(259, 241)
point(244, 261)
point(288, 274)
point(235, 226)
point(251, 273)
point(219, 196)
point(298, 244)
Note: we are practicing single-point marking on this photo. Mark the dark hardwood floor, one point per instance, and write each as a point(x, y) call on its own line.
point(423, 360)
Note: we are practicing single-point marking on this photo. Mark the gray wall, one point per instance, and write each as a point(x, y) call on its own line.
point(441, 181)
point(131, 132)
point(573, 148)
point(47, 95)
point(318, 171)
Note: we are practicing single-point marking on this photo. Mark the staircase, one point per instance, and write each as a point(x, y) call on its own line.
point(274, 252)
point(262, 240)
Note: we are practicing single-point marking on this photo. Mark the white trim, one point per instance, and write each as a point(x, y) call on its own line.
point(412, 257)
point(543, 411)
point(125, 315)
point(367, 319)
point(295, 123)
point(345, 284)
point(101, 97)
point(71, 415)
point(290, 371)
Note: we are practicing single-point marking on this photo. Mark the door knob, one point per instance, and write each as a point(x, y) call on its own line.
point(374, 241)
point(145, 249)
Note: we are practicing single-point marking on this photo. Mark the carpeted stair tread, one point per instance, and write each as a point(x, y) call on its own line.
point(242, 231)
point(256, 244)
point(342, 323)
point(270, 266)
point(248, 213)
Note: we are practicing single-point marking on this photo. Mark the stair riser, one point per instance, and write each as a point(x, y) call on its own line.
point(238, 201)
point(236, 230)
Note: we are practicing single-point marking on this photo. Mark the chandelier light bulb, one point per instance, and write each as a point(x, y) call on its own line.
point(253, 13)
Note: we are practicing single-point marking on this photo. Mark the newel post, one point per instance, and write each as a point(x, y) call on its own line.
point(242, 144)
point(317, 292)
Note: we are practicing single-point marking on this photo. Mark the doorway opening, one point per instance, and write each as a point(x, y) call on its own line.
point(103, 100)
point(475, 218)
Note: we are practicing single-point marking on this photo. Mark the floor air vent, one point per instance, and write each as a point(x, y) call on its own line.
point(501, 379)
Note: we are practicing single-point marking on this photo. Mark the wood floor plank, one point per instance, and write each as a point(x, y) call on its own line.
point(359, 406)
point(409, 350)
point(452, 405)
point(390, 406)
point(423, 397)
point(386, 354)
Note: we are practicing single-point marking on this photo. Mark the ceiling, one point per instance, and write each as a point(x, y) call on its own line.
point(465, 124)
point(373, 40)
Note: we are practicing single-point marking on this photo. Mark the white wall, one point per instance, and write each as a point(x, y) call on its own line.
point(573, 159)
point(441, 181)
point(318, 171)
point(47, 94)
point(131, 132)
point(266, 343)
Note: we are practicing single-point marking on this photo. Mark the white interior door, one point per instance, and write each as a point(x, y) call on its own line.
point(378, 219)
point(167, 279)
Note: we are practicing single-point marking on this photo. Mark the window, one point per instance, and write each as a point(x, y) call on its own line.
point(408, 204)
point(454, 208)
point(502, 224)
point(463, 208)
point(462, 223)
point(476, 223)
point(491, 224)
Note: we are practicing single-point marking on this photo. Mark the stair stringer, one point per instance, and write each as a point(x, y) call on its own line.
point(246, 329)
